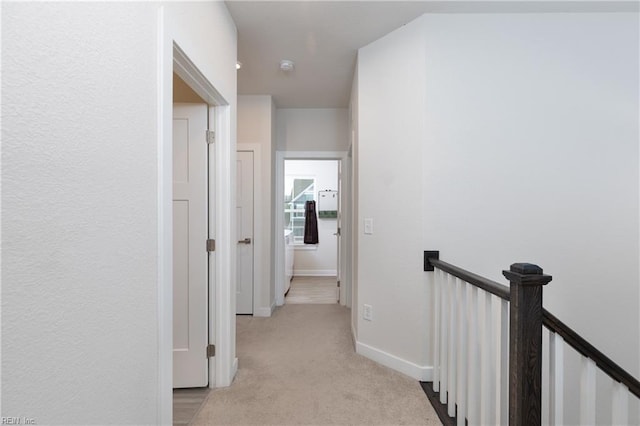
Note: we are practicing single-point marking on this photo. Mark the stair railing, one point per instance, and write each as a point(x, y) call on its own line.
point(488, 352)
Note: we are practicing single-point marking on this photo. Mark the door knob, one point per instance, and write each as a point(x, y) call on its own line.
point(245, 241)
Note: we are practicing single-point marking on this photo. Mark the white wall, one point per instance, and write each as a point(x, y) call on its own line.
point(312, 129)
point(255, 120)
point(80, 202)
point(390, 106)
point(318, 259)
point(515, 138)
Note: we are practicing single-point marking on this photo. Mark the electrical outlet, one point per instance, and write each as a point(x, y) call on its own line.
point(367, 313)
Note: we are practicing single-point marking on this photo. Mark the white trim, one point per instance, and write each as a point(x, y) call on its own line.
point(189, 73)
point(262, 312)
point(304, 247)
point(422, 373)
point(279, 202)
point(279, 269)
point(234, 368)
point(165, 223)
point(315, 273)
point(225, 315)
point(211, 151)
point(265, 312)
point(259, 235)
point(222, 286)
point(353, 336)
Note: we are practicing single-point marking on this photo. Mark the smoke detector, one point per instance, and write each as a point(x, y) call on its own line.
point(286, 65)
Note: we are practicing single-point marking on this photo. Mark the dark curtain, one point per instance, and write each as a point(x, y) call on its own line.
point(310, 223)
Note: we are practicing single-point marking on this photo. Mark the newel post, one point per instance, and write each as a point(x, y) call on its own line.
point(525, 343)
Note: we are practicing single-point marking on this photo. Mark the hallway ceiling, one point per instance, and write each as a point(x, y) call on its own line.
point(322, 39)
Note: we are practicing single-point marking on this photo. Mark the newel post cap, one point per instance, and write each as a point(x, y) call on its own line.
point(526, 274)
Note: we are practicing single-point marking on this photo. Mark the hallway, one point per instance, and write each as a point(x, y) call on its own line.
point(299, 367)
point(312, 290)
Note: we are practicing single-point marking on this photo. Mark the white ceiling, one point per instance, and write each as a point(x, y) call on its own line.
point(322, 38)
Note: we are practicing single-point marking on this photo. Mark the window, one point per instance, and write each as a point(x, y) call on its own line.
point(297, 192)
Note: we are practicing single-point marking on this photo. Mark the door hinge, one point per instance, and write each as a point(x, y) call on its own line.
point(211, 351)
point(211, 245)
point(338, 283)
point(211, 136)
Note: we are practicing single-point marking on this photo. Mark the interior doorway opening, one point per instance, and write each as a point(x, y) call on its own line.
point(311, 214)
point(219, 322)
point(322, 178)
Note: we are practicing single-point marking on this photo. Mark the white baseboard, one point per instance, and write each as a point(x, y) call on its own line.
point(234, 369)
point(262, 312)
point(265, 312)
point(353, 335)
point(315, 273)
point(422, 373)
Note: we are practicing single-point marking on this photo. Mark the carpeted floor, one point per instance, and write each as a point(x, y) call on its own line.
point(313, 290)
point(299, 368)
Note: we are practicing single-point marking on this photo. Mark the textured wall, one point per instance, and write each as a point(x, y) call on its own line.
point(531, 155)
point(391, 103)
point(80, 202)
point(79, 213)
point(510, 137)
point(312, 129)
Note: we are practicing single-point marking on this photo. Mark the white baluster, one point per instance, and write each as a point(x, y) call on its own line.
point(462, 354)
point(453, 318)
point(502, 394)
point(588, 392)
point(444, 340)
point(487, 375)
point(437, 275)
point(473, 396)
point(556, 379)
point(620, 404)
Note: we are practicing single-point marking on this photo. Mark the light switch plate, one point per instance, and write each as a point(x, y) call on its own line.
point(368, 226)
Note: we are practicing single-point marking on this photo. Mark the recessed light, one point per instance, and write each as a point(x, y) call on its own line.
point(238, 65)
point(286, 65)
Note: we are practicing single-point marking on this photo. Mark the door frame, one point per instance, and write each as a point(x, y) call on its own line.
point(345, 205)
point(221, 285)
point(260, 235)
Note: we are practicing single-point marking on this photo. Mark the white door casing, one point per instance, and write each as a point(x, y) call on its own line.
point(281, 156)
point(190, 217)
point(244, 222)
point(340, 296)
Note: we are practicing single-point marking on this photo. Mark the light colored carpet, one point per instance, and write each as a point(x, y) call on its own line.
point(299, 368)
point(313, 290)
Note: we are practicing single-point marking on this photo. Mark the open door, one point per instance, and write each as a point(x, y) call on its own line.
point(190, 217)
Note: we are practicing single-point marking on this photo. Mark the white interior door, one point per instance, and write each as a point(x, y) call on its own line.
point(244, 220)
point(190, 335)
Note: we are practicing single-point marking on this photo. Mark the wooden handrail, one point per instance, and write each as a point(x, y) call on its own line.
point(524, 301)
point(497, 289)
point(586, 349)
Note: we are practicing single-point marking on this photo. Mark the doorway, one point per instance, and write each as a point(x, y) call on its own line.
point(190, 227)
point(297, 181)
point(313, 240)
point(221, 278)
point(245, 189)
